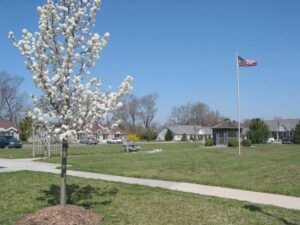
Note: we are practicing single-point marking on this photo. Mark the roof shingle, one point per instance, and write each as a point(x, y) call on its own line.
point(289, 124)
point(226, 124)
point(189, 129)
point(6, 124)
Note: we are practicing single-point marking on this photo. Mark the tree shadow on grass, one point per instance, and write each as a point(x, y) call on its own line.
point(85, 196)
point(254, 208)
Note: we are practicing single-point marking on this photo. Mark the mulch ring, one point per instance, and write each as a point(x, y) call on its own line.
point(56, 215)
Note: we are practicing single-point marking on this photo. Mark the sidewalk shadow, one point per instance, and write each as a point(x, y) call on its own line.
point(85, 196)
point(254, 208)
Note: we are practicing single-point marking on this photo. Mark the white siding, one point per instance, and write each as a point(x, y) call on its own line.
point(161, 135)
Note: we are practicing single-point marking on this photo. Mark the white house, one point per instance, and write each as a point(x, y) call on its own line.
point(102, 133)
point(281, 128)
point(7, 128)
point(192, 132)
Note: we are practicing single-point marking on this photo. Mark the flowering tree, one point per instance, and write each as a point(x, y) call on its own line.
point(59, 56)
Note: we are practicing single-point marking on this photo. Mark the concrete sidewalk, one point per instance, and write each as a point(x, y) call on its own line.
point(7, 165)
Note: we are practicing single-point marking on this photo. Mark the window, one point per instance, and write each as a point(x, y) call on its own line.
point(232, 133)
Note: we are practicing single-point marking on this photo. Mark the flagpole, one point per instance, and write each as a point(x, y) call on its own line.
point(238, 102)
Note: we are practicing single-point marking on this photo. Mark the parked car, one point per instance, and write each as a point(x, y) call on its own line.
point(114, 141)
point(103, 142)
point(89, 141)
point(10, 142)
point(84, 141)
point(287, 140)
point(270, 141)
point(93, 141)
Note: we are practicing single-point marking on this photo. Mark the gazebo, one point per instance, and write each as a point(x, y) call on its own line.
point(225, 131)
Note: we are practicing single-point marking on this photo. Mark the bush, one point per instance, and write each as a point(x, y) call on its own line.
point(209, 142)
point(133, 137)
point(184, 137)
point(233, 143)
point(169, 136)
point(25, 128)
point(296, 136)
point(148, 136)
point(246, 142)
point(258, 131)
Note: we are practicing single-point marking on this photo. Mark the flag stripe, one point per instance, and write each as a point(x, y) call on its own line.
point(246, 62)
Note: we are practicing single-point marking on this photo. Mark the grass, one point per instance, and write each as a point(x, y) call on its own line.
point(120, 204)
point(266, 168)
point(15, 153)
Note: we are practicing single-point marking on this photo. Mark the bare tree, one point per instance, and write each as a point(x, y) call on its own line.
point(212, 118)
point(199, 113)
point(13, 104)
point(133, 109)
point(148, 109)
point(129, 112)
point(137, 114)
point(180, 114)
point(194, 114)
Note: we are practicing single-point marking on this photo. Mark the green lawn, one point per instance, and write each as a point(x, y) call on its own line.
point(267, 168)
point(26, 192)
point(15, 153)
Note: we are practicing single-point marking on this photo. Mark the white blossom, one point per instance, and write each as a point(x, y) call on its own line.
point(57, 130)
point(58, 56)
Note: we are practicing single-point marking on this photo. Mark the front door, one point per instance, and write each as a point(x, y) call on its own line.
point(221, 139)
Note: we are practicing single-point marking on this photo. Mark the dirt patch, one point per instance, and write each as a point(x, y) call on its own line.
point(154, 151)
point(56, 215)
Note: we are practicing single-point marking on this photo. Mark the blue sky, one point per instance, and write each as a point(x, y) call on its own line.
point(185, 51)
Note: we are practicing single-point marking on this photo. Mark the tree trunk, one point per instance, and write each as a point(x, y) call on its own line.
point(63, 175)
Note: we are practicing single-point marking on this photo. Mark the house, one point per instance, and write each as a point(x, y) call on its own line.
point(192, 132)
point(96, 131)
point(116, 132)
point(102, 133)
point(281, 128)
point(225, 131)
point(7, 128)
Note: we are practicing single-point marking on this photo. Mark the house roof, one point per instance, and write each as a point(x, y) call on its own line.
point(97, 128)
point(189, 129)
point(6, 125)
point(207, 130)
point(117, 130)
point(226, 124)
point(282, 124)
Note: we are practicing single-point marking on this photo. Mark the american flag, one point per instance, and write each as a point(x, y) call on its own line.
point(246, 62)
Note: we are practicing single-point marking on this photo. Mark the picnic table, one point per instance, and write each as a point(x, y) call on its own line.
point(131, 147)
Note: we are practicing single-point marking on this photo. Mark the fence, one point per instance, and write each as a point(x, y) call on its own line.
point(47, 150)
